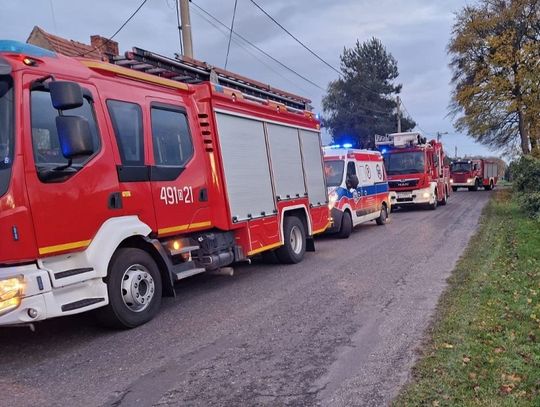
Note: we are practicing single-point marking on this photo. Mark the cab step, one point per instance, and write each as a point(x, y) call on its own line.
point(186, 269)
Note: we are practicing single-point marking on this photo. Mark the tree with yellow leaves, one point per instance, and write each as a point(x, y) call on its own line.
point(495, 50)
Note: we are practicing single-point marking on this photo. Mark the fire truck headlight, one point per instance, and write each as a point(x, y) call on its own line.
point(332, 199)
point(451, 180)
point(426, 194)
point(469, 180)
point(11, 290)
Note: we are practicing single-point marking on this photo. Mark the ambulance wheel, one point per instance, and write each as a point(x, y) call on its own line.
point(134, 289)
point(294, 234)
point(381, 220)
point(346, 226)
point(454, 189)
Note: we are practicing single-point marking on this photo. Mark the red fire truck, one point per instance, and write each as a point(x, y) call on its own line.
point(473, 174)
point(416, 171)
point(119, 178)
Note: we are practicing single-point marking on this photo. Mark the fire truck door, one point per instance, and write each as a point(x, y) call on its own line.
point(134, 196)
point(69, 203)
point(178, 176)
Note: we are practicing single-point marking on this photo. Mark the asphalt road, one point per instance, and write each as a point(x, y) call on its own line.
point(340, 329)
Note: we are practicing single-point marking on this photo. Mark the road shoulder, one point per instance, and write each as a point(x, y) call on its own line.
point(483, 343)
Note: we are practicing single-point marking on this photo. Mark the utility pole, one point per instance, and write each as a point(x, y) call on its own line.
point(455, 154)
point(398, 107)
point(183, 7)
point(439, 135)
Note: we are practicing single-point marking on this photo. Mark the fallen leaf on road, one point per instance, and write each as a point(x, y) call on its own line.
point(447, 346)
point(466, 359)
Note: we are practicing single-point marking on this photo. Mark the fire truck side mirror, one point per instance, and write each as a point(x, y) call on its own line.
point(74, 136)
point(66, 95)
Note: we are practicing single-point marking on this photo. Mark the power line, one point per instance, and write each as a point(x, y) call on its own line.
point(296, 39)
point(410, 115)
point(225, 32)
point(259, 49)
point(116, 32)
point(230, 33)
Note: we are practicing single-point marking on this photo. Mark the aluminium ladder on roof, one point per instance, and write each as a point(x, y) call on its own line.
point(195, 72)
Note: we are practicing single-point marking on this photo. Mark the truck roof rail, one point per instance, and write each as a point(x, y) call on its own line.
point(191, 71)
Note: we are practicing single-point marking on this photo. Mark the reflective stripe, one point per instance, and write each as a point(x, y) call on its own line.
point(62, 247)
point(181, 228)
point(264, 248)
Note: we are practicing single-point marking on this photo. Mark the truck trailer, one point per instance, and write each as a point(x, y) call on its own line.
point(119, 178)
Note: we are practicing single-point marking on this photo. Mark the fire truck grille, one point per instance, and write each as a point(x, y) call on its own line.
point(403, 183)
point(460, 178)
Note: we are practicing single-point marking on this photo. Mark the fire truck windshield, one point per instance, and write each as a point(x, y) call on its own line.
point(407, 162)
point(334, 172)
point(461, 167)
point(6, 131)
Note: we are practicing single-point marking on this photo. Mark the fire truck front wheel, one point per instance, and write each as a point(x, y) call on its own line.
point(294, 247)
point(134, 288)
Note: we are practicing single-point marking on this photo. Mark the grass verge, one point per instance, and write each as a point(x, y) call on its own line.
point(484, 344)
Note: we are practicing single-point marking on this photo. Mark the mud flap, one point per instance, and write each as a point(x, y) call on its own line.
point(310, 244)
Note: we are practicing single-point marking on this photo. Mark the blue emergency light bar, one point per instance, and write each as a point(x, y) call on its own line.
point(30, 50)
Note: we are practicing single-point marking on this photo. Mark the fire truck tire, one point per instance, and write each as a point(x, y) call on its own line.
point(294, 233)
point(454, 189)
point(433, 205)
point(346, 226)
point(475, 188)
point(489, 187)
point(381, 220)
point(444, 201)
point(134, 288)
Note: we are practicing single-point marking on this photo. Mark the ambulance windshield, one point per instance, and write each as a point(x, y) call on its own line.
point(334, 172)
point(461, 167)
point(6, 131)
point(407, 162)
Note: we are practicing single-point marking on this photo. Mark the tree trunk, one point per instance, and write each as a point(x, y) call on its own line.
point(523, 133)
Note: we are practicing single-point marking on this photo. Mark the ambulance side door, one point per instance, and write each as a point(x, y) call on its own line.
point(363, 189)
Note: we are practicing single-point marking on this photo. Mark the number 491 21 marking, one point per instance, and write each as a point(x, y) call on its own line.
point(175, 196)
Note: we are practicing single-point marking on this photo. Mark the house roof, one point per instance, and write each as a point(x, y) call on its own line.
point(70, 48)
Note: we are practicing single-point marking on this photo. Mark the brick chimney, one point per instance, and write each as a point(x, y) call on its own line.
point(105, 46)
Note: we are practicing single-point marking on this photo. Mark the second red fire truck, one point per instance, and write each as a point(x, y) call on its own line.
point(474, 174)
point(118, 179)
point(417, 174)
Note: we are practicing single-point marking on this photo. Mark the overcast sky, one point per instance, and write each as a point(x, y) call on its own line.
point(416, 32)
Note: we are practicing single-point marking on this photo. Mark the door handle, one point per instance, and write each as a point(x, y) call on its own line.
point(115, 201)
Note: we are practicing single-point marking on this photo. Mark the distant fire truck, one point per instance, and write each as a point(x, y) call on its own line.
point(473, 174)
point(118, 179)
point(417, 174)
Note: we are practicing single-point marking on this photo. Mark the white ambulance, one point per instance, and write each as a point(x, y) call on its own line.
point(357, 188)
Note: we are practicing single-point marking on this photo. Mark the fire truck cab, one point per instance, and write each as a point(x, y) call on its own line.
point(357, 188)
point(417, 174)
point(118, 179)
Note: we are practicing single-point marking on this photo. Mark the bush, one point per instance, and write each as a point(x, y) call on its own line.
point(526, 174)
point(526, 181)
